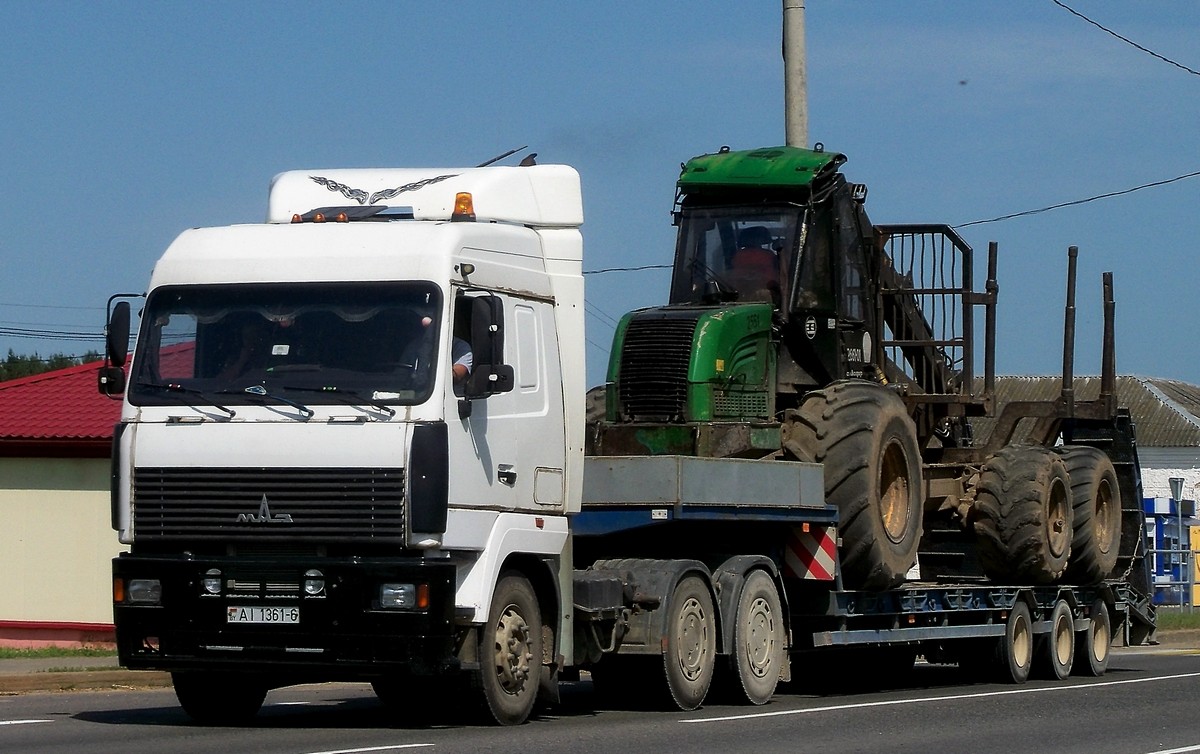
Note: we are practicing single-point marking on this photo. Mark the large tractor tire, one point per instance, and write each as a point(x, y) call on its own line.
point(1023, 515)
point(1096, 500)
point(863, 435)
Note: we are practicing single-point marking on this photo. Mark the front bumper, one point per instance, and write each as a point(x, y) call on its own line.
point(341, 634)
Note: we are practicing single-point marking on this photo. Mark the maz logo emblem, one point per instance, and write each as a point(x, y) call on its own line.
point(264, 516)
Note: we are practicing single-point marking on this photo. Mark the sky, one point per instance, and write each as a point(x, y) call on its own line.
point(122, 124)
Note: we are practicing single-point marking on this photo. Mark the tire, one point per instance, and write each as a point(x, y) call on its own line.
point(1056, 650)
point(1096, 500)
point(863, 435)
point(1023, 516)
point(1014, 653)
point(510, 653)
point(1093, 645)
point(219, 698)
point(417, 701)
point(689, 655)
point(759, 640)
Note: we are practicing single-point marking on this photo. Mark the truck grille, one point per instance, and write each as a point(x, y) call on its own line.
point(654, 367)
point(306, 505)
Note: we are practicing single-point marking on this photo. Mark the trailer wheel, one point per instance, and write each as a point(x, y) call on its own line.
point(218, 698)
point(759, 639)
point(691, 643)
point(1093, 645)
point(863, 435)
point(1023, 515)
point(1015, 651)
point(1057, 648)
point(510, 652)
point(1096, 500)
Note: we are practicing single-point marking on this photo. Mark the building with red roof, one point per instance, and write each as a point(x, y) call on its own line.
point(59, 414)
point(57, 543)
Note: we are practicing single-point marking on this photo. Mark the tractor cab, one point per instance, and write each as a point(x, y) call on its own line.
point(781, 226)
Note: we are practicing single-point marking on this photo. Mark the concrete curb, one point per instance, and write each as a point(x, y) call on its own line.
point(78, 680)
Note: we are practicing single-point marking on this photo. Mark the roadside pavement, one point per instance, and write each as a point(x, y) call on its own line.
point(21, 676)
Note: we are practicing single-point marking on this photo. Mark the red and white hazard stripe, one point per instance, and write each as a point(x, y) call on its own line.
point(811, 553)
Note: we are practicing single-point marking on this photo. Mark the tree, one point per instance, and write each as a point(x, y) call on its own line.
point(24, 365)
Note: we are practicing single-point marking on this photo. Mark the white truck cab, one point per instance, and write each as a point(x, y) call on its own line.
point(302, 476)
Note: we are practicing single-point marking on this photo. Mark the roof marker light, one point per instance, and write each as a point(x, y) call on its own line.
point(464, 208)
point(319, 217)
point(296, 218)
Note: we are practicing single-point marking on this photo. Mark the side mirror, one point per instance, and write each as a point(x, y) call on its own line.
point(489, 373)
point(116, 335)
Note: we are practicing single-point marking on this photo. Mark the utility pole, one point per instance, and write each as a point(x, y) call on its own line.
point(795, 77)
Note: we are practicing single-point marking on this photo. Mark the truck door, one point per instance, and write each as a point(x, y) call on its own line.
point(507, 445)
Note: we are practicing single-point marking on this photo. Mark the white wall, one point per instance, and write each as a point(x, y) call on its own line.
point(56, 541)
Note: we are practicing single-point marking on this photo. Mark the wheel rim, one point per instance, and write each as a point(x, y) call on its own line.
point(513, 658)
point(894, 498)
point(1022, 641)
point(1101, 521)
point(1063, 638)
point(1058, 533)
point(760, 638)
point(1100, 640)
point(692, 634)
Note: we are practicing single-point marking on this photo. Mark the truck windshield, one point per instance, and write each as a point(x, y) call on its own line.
point(734, 253)
point(375, 342)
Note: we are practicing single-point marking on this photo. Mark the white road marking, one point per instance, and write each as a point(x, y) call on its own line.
point(23, 722)
point(1177, 751)
point(950, 698)
point(371, 748)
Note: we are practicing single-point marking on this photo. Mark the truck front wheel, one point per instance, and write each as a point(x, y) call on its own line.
point(218, 698)
point(511, 652)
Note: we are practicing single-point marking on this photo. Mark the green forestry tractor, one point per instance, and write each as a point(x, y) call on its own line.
point(797, 329)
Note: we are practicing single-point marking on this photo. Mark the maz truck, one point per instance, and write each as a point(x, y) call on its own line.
point(353, 447)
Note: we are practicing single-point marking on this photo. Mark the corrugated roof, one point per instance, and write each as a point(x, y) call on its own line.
point(56, 409)
point(1166, 412)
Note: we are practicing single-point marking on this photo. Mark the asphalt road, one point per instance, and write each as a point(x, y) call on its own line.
point(1146, 704)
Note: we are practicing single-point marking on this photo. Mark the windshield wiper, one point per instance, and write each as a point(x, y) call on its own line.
point(346, 396)
point(170, 387)
point(262, 392)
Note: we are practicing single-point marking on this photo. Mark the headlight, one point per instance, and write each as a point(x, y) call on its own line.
point(314, 582)
point(212, 581)
point(403, 596)
point(144, 592)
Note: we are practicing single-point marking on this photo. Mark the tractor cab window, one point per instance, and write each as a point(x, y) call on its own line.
point(734, 254)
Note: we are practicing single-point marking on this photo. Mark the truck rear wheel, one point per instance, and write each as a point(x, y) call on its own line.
point(691, 647)
point(1096, 500)
point(1014, 655)
point(759, 639)
point(1093, 645)
point(219, 698)
point(510, 652)
point(1023, 515)
point(1057, 648)
point(863, 435)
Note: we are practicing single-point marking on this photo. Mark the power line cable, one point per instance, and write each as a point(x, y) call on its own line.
point(1078, 201)
point(1126, 40)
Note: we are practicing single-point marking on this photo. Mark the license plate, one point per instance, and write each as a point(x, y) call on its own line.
point(236, 614)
